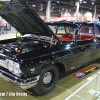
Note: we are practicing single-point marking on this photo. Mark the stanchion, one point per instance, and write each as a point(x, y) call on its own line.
point(84, 86)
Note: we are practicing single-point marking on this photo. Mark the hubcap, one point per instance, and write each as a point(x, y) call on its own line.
point(47, 78)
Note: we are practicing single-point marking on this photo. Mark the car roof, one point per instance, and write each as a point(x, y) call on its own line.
point(70, 23)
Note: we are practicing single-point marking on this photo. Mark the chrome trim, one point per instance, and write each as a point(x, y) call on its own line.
point(4, 64)
point(47, 78)
point(2, 55)
point(8, 74)
point(24, 83)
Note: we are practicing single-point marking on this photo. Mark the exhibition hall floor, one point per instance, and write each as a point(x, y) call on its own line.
point(65, 87)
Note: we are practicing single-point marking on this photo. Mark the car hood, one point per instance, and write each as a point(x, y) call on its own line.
point(24, 19)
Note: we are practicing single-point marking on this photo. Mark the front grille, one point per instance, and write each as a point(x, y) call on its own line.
point(9, 75)
point(3, 63)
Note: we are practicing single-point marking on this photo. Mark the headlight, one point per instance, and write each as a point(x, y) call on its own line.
point(10, 65)
point(14, 67)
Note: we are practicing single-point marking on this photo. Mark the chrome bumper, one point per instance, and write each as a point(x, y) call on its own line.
point(22, 83)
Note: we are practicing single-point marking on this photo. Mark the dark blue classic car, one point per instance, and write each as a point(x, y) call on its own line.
point(51, 49)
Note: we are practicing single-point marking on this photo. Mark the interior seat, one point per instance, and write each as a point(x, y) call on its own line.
point(85, 36)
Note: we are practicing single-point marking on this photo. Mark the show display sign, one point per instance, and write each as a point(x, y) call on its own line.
point(85, 71)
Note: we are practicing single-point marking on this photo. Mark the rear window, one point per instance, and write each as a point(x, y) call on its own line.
point(87, 30)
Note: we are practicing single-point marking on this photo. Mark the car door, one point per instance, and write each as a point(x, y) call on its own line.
point(86, 45)
point(69, 60)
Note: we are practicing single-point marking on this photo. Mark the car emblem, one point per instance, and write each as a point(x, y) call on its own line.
point(80, 74)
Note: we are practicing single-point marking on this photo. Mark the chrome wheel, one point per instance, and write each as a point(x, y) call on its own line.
point(47, 78)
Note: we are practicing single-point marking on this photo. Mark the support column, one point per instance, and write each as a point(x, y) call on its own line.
point(67, 13)
point(77, 10)
point(95, 11)
point(48, 9)
point(81, 12)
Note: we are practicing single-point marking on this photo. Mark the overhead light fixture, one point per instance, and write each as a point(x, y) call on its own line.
point(84, 1)
point(41, 9)
point(33, 5)
point(53, 7)
point(92, 3)
point(57, 1)
point(51, 10)
point(80, 0)
point(62, 8)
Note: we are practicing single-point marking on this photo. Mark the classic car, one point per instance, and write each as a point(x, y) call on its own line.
point(50, 49)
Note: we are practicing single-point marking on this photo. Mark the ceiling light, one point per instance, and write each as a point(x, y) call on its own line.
point(33, 5)
point(80, 2)
point(57, 1)
point(92, 3)
point(51, 10)
point(62, 8)
point(53, 7)
point(40, 9)
point(84, 1)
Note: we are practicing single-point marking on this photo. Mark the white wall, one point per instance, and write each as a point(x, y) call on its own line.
point(72, 16)
point(52, 18)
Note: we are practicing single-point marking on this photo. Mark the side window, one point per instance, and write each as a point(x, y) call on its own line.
point(85, 33)
point(88, 30)
point(91, 30)
point(96, 30)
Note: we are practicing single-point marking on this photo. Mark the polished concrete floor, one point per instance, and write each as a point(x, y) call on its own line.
point(64, 88)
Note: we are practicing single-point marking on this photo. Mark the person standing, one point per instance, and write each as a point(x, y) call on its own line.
point(2, 26)
point(96, 21)
point(85, 19)
point(44, 19)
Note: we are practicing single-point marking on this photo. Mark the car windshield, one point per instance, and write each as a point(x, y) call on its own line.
point(64, 32)
point(61, 29)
